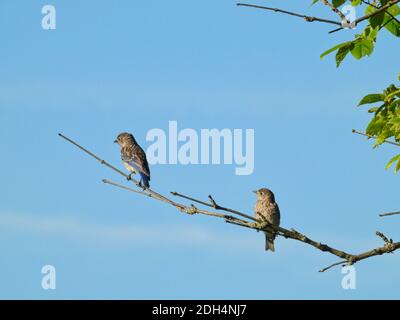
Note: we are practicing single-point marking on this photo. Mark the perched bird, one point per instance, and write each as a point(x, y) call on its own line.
point(134, 158)
point(266, 209)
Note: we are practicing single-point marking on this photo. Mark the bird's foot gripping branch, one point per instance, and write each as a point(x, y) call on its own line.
point(238, 218)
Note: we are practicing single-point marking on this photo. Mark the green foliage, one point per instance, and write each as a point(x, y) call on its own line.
point(392, 161)
point(385, 123)
point(385, 19)
point(338, 3)
point(371, 98)
point(362, 45)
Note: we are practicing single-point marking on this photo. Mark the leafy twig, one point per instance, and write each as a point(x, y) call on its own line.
point(372, 137)
point(370, 15)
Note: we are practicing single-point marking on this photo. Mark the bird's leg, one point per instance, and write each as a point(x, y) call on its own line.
point(141, 185)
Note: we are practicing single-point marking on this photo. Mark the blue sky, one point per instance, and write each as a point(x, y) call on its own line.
point(136, 65)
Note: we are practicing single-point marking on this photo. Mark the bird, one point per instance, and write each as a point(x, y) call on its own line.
point(134, 158)
point(267, 210)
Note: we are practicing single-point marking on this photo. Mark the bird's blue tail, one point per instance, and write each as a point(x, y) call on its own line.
point(144, 180)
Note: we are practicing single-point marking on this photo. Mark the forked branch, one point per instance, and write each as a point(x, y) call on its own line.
point(245, 220)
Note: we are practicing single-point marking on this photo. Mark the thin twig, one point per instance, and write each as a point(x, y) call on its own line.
point(97, 158)
point(106, 181)
point(372, 137)
point(128, 177)
point(389, 214)
point(384, 238)
point(336, 30)
point(215, 205)
point(305, 17)
point(333, 265)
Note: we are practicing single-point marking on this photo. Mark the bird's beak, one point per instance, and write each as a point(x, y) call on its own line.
point(255, 191)
point(115, 141)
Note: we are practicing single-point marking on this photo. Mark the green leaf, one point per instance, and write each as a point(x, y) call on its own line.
point(334, 49)
point(391, 24)
point(393, 27)
point(373, 110)
point(394, 10)
point(338, 3)
point(362, 48)
point(392, 161)
point(393, 93)
point(376, 127)
point(342, 53)
point(377, 20)
point(371, 98)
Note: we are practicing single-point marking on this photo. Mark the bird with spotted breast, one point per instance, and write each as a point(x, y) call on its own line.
point(134, 158)
point(267, 210)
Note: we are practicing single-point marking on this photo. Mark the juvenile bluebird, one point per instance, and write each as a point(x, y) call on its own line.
point(134, 158)
point(266, 209)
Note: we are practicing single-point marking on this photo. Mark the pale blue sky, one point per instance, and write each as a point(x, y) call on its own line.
point(136, 65)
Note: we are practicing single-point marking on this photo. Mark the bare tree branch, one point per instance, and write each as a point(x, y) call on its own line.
point(389, 214)
point(191, 209)
point(128, 177)
point(305, 17)
point(383, 237)
point(215, 206)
